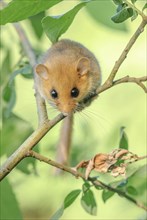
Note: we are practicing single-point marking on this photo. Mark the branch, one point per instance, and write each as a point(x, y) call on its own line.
point(41, 107)
point(123, 56)
point(44, 124)
point(29, 143)
point(77, 174)
point(139, 81)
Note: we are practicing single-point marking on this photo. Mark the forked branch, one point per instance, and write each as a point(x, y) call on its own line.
point(44, 124)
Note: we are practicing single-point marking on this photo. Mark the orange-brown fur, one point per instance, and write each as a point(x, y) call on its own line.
point(67, 65)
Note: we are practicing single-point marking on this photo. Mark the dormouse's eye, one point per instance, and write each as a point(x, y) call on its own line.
point(54, 94)
point(74, 92)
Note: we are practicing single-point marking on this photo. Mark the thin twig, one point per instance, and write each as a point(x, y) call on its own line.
point(136, 9)
point(139, 81)
point(77, 174)
point(125, 52)
point(41, 107)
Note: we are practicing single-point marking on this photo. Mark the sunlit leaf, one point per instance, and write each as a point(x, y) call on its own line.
point(70, 198)
point(107, 194)
point(9, 205)
point(122, 15)
point(88, 202)
point(123, 142)
point(17, 10)
point(54, 27)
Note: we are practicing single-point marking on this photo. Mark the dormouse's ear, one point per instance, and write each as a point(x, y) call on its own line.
point(83, 66)
point(42, 71)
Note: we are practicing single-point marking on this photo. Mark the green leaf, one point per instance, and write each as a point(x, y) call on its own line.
point(17, 10)
point(131, 190)
point(138, 180)
point(118, 2)
point(144, 7)
point(58, 213)
point(133, 1)
point(69, 199)
point(54, 27)
point(6, 68)
point(121, 7)
point(36, 23)
point(14, 133)
point(85, 186)
point(9, 205)
point(101, 11)
point(123, 142)
point(25, 71)
point(88, 202)
point(9, 96)
point(122, 15)
point(135, 14)
point(107, 194)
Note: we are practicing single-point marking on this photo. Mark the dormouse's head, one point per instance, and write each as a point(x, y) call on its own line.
point(64, 84)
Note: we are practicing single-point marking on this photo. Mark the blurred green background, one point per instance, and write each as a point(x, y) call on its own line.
point(96, 129)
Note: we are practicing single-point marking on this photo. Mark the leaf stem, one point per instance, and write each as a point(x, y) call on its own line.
point(136, 9)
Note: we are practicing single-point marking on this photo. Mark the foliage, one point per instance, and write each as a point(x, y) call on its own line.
point(14, 126)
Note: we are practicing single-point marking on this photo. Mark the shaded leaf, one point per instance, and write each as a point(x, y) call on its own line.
point(133, 1)
point(118, 2)
point(135, 15)
point(85, 187)
point(101, 11)
point(88, 202)
point(131, 190)
point(6, 68)
point(121, 7)
point(9, 96)
point(9, 205)
point(138, 180)
point(123, 142)
point(14, 133)
point(107, 194)
point(122, 15)
point(36, 23)
point(69, 199)
point(144, 7)
point(17, 11)
point(54, 27)
point(58, 213)
point(25, 71)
